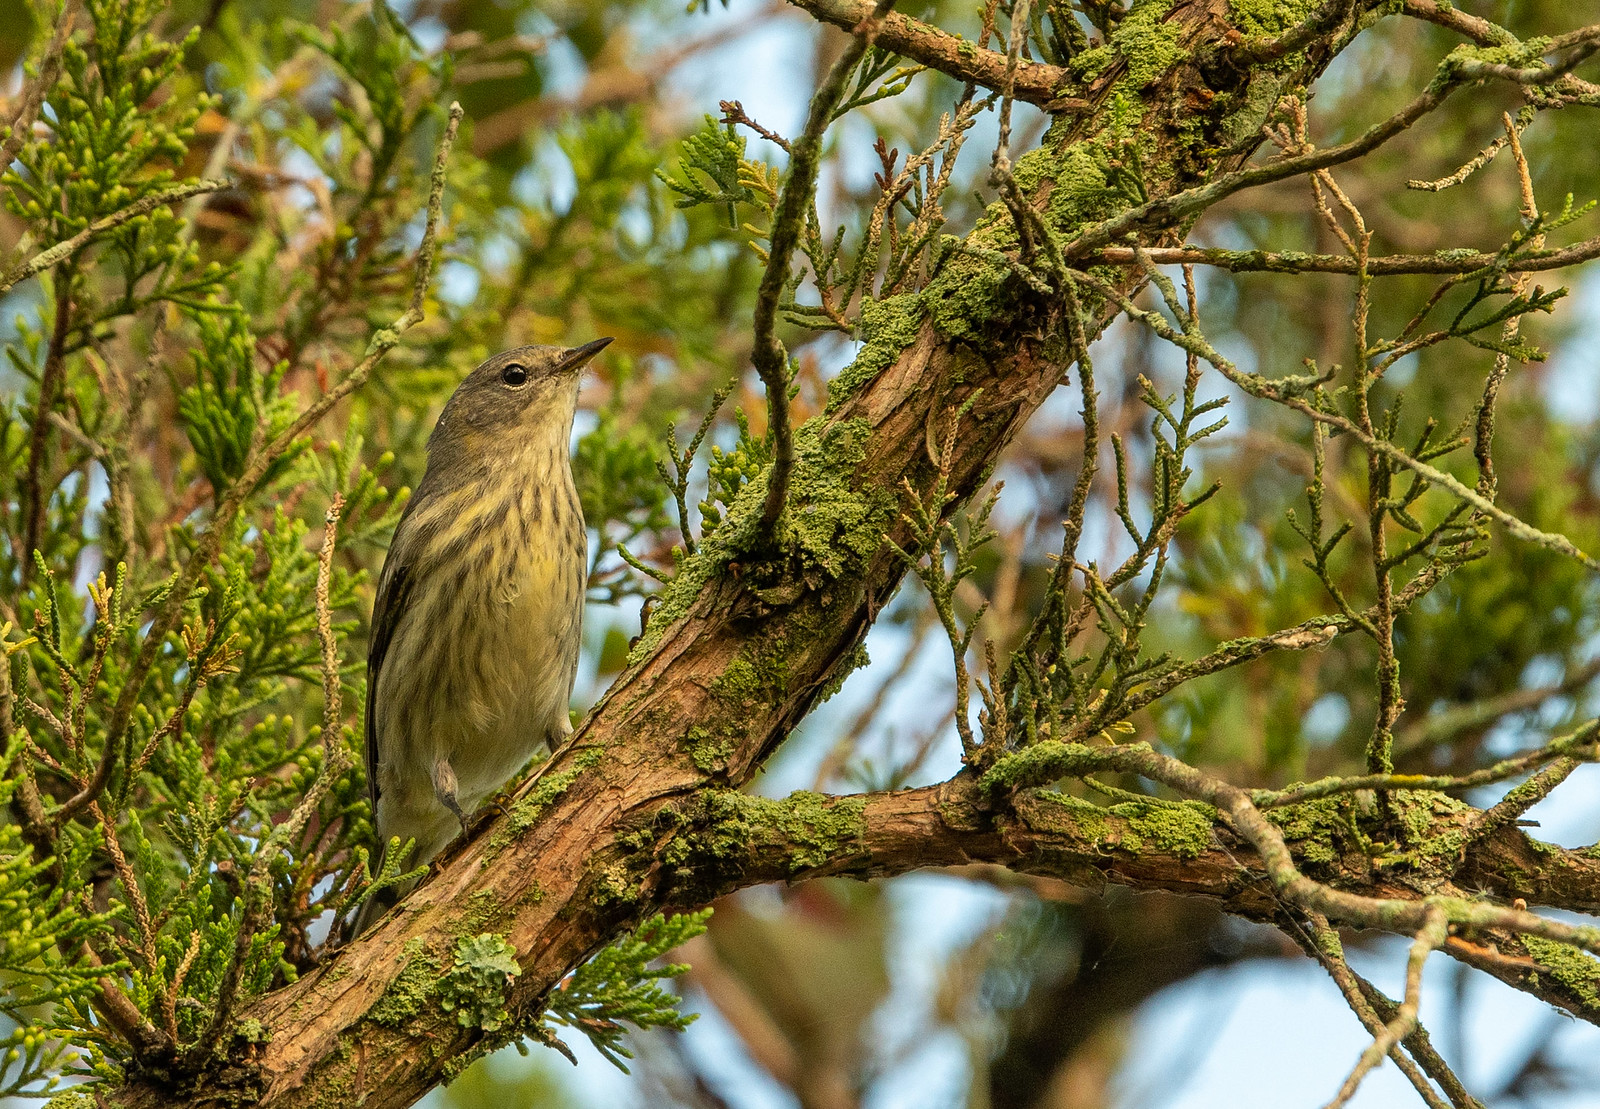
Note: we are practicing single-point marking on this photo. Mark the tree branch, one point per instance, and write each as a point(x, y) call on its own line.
point(1036, 82)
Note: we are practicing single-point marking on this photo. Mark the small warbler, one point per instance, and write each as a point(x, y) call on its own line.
point(475, 632)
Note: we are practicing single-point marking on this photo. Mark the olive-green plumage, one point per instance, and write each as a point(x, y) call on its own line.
point(475, 632)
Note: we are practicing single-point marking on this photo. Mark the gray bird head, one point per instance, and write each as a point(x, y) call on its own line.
point(526, 392)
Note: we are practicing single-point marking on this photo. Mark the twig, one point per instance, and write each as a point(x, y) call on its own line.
point(1428, 939)
point(1168, 210)
point(1444, 262)
point(1327, 949)
point(1287, 394)
point(1418, 1043)
point(1052, 760)
point(1478, 161)
point(1579, 745)
point(34, 94)
point(733, 112)
point(143, 206)
point(336, 759)
point(788, 222)
point(34, 494)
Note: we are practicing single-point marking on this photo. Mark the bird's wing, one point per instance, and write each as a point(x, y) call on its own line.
point(394, 589)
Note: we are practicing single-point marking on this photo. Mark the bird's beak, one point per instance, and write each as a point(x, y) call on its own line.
point(577, 357)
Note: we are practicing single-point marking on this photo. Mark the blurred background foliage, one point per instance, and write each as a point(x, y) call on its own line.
point(981, 988)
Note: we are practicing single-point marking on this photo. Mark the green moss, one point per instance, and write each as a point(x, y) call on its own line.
point(857, 660)
point(1176, 829)
point(708, 750)
point(1147, 41)
point(745, 682)
point(1045, 762)
point(969, 292)
point(477, 985)
point(1091, 63)
point(1573, 968)
point(1315, 829)
point(412, 990)
point(1269, 18)
point(526, 812)
point(252, 1031)
point(829, 529)
point(694, 574)
point(1073, 816)
point(886, 328)
point(814, 828)
point(71, 1099)
point(1432, 827)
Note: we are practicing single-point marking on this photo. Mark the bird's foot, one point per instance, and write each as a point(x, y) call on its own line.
point(444, 787)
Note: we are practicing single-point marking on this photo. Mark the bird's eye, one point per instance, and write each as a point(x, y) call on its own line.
point(514, 375)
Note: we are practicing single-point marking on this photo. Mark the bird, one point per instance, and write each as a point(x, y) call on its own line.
point(476, 626)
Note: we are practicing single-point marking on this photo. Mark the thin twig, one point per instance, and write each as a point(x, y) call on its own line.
point(1326, 948)
point(33, 96)
point(1429, 938)
point(1035, 82)
point(1443, 262)
point(1579, 745)
point(143, 206)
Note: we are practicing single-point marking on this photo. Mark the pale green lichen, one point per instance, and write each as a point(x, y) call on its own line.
point(526, 812)
point(1432, 827)
point(1147, 42)
point(1073, 816)
point(412, 990)
point(708, 750)
point(1089, 64)
point(476, 987)
point(1267, 19)
point(1574, 969)
point(1315, 828)
point(615, 884)
point(1177, 828)
point(1045, 762)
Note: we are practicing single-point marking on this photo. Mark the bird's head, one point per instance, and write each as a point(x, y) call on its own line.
point(522, 393)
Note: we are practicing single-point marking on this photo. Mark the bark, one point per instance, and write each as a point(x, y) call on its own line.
point(642, 810)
